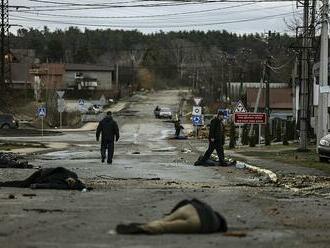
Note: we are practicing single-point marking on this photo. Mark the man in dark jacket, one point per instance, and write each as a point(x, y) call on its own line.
point(188, 216)
point(110, 132)
point(216, 139)
point(49, 178)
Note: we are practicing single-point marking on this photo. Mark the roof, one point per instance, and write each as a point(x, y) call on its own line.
point(280, 98)
point(88, 67)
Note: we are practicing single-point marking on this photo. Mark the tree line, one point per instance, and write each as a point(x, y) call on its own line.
point(175, 58)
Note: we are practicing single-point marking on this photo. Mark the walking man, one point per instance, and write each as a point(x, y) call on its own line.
point(110, 132)
point(216, 139)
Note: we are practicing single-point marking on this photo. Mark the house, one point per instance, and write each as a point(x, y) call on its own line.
point(237, 88)
point(20, 63)
point(86, 76)
point(280, 101)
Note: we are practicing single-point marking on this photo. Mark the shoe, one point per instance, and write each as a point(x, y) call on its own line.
point(103, 160)
point(109, 162)
point(133, 228)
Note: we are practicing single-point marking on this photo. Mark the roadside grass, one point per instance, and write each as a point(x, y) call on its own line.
point(287, 154)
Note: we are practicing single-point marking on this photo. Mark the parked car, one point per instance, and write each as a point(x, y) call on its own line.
point(95, 109)
point(8, 121)
point(324, 148)
point(165, 113)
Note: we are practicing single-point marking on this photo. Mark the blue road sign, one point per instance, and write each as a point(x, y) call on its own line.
point(197, 120)
point(42, 112)
point(81, 102)
point(225, 113)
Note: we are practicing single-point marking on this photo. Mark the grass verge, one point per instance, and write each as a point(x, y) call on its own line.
point(289, 155)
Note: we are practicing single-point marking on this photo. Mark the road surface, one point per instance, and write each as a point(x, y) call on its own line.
point(149, 175)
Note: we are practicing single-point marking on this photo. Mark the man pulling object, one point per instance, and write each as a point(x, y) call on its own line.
point(188, 216)
point(49, 178)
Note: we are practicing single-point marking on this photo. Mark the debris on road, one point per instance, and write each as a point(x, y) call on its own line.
point(43, 210)
point(11, 160)
point(235, 234)
point(11, 196)
point(29, 195)
point(188, 216)
point(186, 150)
point(166, 149)
point(49, 178)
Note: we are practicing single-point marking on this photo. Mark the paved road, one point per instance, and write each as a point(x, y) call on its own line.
point(149, 175)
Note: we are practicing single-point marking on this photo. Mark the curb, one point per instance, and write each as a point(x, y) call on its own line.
point(272, 176)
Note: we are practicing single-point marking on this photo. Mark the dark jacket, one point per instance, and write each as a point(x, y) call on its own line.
point(211, 221)
point(217, 131)
point(109, 129)
point(48, 178)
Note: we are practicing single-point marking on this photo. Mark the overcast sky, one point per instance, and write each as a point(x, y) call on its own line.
point(237, 16)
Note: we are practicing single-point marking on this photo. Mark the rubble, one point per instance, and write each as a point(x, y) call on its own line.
point(11, 160)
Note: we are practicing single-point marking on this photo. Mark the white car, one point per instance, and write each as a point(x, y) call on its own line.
point(95, 109)
point(165, 113)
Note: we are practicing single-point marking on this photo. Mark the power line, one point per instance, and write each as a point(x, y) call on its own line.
point(158, 26)
point(144, 16)
point(149, 5)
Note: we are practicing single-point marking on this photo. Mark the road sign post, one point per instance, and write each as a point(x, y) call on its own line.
point(81, 104)
point(197, 110)
point(42, 112)
point(60, 108)
point(240, 108)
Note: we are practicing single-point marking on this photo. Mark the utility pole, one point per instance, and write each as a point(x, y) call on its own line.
point(304, 82)
point(267, 103)
point(4, 49)
point(322, 120)
point(267, 96)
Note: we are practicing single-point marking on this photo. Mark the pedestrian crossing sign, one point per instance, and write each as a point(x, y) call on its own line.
point(240, 107)
point(41, 112)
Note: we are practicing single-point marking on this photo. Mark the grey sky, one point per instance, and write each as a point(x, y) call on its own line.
point(240, 17)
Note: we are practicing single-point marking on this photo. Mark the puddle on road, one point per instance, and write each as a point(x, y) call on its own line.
point(69, 155)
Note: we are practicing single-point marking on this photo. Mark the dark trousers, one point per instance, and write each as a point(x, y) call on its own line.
point(23, 183)
point(217, 145)
point(177, 132)
point(107, 144)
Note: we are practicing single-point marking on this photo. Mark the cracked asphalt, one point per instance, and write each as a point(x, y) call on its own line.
point(150, 174)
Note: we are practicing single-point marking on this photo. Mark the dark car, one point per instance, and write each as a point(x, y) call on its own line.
point(8, 121)
point(324, 148)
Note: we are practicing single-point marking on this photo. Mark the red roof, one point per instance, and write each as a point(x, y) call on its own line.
point(278, 98)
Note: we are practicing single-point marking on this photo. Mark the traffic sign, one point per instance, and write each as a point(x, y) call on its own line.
point(60, 93)
point(250, 118)
point(225, 113)
point(240, 107)
point(197, 110)
point(81, 102)
point(197, 120)
point(42, 112)
point(60, 105)
point(198, 100)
